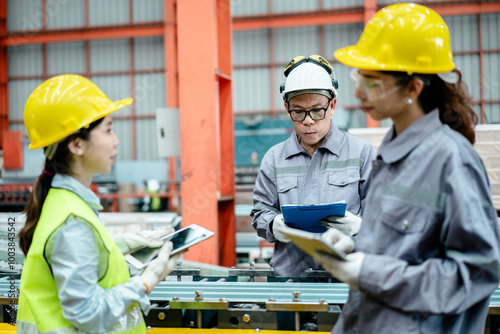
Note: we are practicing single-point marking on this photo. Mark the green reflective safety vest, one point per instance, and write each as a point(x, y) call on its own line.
point(39, 306)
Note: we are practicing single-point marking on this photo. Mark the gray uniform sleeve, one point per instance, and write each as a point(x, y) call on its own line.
point(74, 258)
point(368, 155)
point(265, 200)
point(467, 273)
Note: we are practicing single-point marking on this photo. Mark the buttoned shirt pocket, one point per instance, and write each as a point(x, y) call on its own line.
point(343, 178)
point(344, 185)
point(402, 228)
point(288, 190)
point(404, 217)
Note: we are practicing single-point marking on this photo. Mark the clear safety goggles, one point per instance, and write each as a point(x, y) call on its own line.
point(372, 89)
point(317, 59)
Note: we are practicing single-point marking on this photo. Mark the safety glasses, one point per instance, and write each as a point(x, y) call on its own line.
point(316, 114)
point(372, 89)
point(317, 59)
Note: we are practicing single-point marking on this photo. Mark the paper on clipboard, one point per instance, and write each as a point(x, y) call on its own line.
point(308, 217)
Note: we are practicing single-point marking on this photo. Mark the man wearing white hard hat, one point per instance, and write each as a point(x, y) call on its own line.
point(317, 164)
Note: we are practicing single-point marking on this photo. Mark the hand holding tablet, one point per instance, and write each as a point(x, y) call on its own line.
point(312, 242)
point(181, 239)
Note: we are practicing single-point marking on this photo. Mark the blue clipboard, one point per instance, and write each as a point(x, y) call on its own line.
point(308, 217)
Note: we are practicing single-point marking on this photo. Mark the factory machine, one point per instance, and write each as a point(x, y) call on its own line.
point(249, 298)
point(245, 300)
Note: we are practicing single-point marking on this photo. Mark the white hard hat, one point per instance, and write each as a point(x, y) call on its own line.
point(308, 77)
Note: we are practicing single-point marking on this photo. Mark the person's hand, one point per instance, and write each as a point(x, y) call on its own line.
point(346, 271)
point(349, 224)
point(278, 228)
point(339, 240)
point(130, 242)
point(160, 267)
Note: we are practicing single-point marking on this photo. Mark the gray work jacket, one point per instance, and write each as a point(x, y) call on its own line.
point(337, 171)
point(430, 235)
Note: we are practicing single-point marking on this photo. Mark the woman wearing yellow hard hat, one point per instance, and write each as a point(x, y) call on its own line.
point(75, 279)
point(426, 259)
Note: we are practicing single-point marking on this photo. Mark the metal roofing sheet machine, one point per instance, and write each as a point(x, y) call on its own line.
point(197, 303)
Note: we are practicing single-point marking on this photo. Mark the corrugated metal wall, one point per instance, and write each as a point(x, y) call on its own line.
point(111, 63)
point(62, 14)
point(65, 58)
point(490, 27)
point(70, 13)
point(24, 61)
point(123, 67)
point(257, 7)
point(117, 87)
point(252, 65)
point(24, 15)
point(250, 49)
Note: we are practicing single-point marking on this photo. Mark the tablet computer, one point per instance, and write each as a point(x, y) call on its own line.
point(308, 217)
point(181, 239)
point(311, 242)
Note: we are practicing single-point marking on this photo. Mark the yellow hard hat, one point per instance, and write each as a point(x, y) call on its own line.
point(403, 37)
point(62, 105)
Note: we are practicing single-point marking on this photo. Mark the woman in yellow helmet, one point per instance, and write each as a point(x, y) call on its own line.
point(426, 259)
point(75, 279)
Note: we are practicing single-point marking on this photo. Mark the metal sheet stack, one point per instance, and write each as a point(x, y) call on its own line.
point(487, 145)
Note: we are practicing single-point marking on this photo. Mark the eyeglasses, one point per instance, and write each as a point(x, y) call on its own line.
point(316, 114)
point(372, 89)
point(312, 58)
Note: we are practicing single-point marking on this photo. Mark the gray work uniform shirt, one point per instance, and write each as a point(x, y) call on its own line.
point(337, 171)
point(430, 235)
point(72, 253)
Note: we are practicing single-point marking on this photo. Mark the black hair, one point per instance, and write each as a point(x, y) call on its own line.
point(452, 100)
point(61, 164)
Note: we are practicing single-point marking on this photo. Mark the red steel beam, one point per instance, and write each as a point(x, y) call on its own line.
point(172, 85)
point(130, 31)
point(370, 8)
point(205, 121)
point(280, 21)
point(239, 23)
point(226, 217)
point(272, 77)
point(349, 15)
point(467, 9)
point(4, 96)
point(197, 35)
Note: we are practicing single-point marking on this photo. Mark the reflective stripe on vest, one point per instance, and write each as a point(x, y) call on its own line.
point(39, 305)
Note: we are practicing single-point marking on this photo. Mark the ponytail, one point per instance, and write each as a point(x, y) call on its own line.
point(34, 207)
point(60, 164)
point(452, 100)
point(454, 105)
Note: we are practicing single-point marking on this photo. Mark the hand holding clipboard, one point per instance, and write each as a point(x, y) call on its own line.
point(308, 217)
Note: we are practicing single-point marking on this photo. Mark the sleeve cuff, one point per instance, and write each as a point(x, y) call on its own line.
point(143, 298)
point(368, 275)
